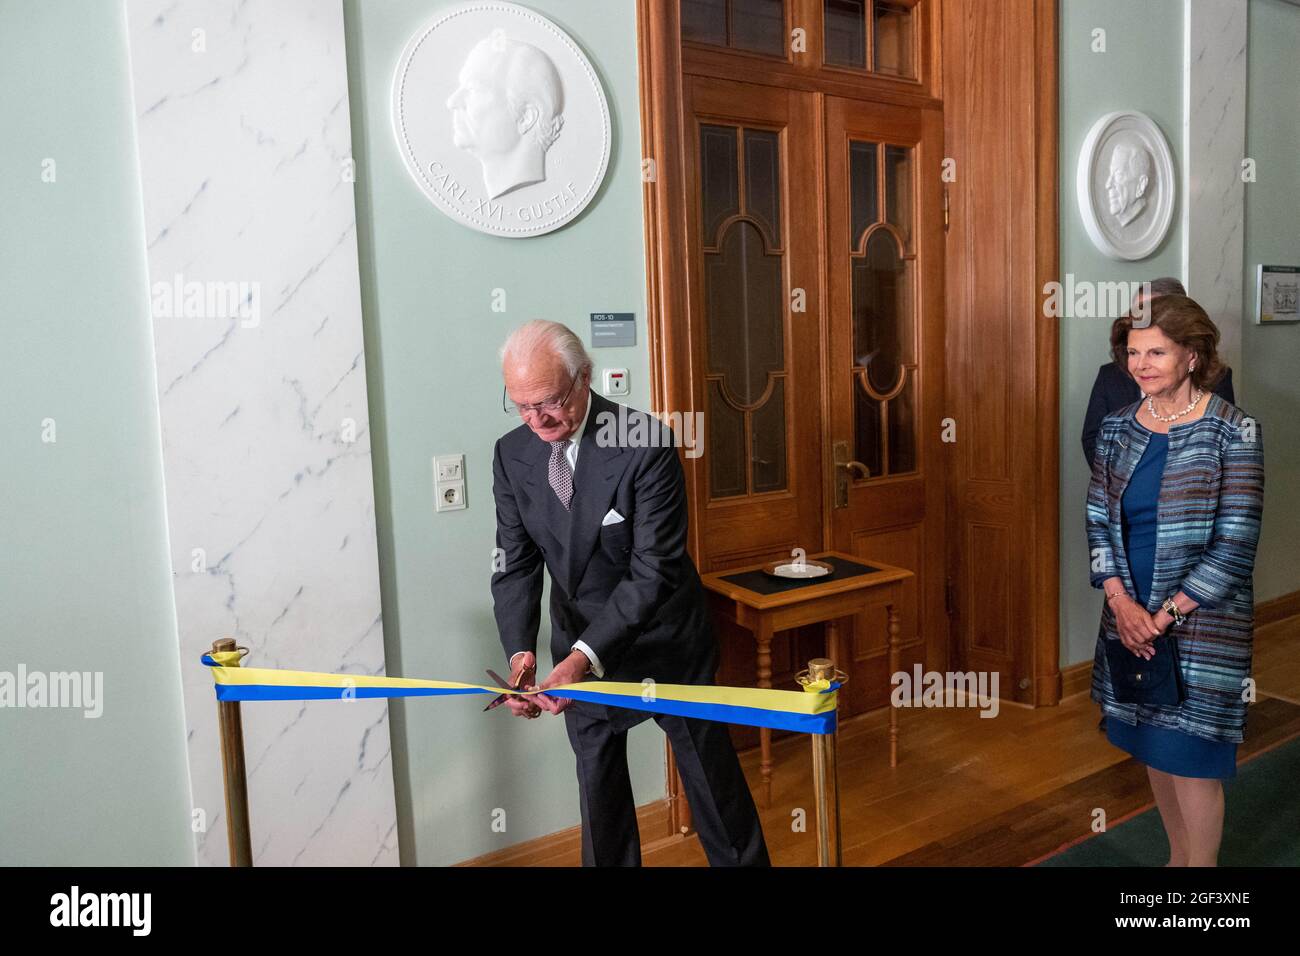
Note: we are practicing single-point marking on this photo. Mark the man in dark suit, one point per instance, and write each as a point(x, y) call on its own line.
point(608, 521)
point(1115, 388)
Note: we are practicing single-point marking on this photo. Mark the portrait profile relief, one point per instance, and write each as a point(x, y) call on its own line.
point(1125, 185)
point(1130, 174)
point(501, 119)
point(507, 111)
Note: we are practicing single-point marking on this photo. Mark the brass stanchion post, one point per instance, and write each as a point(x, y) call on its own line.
point(826, 771)
point(231, 726)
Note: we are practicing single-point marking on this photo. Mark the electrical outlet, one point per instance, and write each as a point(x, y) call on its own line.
point(450, 496)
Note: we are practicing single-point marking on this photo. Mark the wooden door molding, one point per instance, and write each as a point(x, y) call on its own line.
point(660, 80)
point(664, 199)
point(1001, 123)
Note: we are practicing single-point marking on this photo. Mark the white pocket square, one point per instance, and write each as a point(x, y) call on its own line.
point(612, 517)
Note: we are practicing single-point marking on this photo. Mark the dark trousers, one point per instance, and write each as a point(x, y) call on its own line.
point(722, 809)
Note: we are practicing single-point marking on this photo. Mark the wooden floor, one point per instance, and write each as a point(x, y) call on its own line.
point(978, 791)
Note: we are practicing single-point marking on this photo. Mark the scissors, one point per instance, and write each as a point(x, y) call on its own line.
point(500, 698)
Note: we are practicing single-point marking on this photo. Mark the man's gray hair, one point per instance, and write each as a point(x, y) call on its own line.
point(542, 336)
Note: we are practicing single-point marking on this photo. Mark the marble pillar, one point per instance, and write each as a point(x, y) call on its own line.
point(1214, 146)
point(245, 158)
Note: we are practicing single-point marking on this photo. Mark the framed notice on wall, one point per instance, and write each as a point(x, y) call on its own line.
point(1277, 294)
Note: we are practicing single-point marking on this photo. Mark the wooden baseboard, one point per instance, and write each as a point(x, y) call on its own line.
point(1278, 609)
point(565, 847)
point(1076, 679)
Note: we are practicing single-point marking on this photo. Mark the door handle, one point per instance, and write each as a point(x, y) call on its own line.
point(842, 460)
point(844, 467)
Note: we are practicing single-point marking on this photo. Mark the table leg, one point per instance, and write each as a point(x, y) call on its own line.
point(763, 636)
point(895, 663)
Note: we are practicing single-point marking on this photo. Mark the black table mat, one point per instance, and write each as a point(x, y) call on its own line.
point(761, 583)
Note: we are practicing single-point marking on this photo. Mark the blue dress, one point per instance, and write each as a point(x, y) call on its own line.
point(1172, 751)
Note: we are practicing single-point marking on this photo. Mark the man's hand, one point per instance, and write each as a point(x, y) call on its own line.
point(569, 671)
point(522, 676)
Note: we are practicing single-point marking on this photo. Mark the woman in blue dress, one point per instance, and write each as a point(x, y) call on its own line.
point(1174, 511)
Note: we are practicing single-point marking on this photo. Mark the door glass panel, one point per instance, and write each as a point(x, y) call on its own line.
point(867, 446)
point(863, 189)
point(846, 32)
point(718, 177)
point(892, 38)
point(880, 304)
point(743, 303)
point(758, 25)
point(725, 442)
point(769, 441)
point(744, 310)
point(898, 189)
point(884, 350)
point(897, 455)
point(754, 25)
point(705, 21)
point(902, 429)
point(762, 187)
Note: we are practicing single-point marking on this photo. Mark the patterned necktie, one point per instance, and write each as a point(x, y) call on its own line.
point(559, 473)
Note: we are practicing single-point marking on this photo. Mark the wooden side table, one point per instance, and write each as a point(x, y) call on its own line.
point(764, 605)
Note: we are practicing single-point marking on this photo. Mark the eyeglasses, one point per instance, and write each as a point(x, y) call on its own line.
point(523, 410)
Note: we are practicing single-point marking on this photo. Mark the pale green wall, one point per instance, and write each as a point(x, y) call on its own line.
point(435, 388)
point(1271, 356)
point(1141, 69)
point(84, 578)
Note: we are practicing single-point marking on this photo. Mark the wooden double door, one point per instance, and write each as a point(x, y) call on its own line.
point(814, 269)
point(851, 221)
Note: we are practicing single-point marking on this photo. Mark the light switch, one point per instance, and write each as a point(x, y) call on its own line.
point(450, 467)
point(616, 381)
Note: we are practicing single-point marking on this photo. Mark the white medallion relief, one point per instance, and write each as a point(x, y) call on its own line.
point(1125, 185)
point(501, 120)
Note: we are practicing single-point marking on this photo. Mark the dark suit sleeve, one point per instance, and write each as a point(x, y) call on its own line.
point(1224, 388)
point(1097, 410)
point(517, 585)
point(659, 559)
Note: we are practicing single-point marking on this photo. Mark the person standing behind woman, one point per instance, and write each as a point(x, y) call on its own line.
point(1173, 516)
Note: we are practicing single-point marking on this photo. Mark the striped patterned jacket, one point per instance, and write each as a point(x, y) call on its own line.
point(1208, 519)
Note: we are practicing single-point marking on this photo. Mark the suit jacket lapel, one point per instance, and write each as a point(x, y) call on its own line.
point(600, 465)
point(535, 459)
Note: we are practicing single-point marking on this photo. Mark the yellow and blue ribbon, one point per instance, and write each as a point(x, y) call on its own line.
point(809, 713)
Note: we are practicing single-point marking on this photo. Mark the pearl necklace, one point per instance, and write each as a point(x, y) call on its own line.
point(1151, 407)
